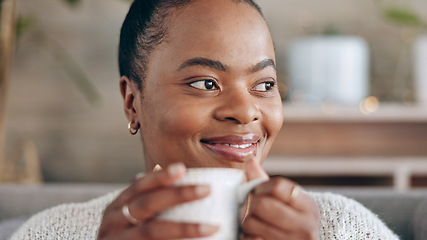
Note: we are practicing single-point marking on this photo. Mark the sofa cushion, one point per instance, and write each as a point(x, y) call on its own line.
point(25, 200)
point(7, 227)
point(420, 221)
point(396, 209)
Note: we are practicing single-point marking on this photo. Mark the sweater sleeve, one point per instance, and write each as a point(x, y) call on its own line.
point(344, 218)
point(67, 221)
point(341, 218)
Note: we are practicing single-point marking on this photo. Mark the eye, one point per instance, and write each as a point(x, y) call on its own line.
point(207, 85)
point(264, 86)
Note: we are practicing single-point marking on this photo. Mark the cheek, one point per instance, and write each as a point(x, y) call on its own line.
point(274, 118)
point(167, 115)
point(175, 122)
point(273, 121)
point(168, 132)
point(182, 121)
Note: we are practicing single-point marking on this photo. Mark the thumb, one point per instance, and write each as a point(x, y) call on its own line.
point(253, 170)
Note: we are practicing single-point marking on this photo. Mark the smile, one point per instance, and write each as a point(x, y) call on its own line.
point(232, 147)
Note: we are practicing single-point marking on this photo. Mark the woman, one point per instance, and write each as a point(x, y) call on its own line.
point(198, 79)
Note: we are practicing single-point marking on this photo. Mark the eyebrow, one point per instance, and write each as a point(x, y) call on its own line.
point(263, 64)
point(199, 61)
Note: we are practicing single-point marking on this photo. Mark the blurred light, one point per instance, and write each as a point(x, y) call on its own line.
point(328, 107)
point(369, 105)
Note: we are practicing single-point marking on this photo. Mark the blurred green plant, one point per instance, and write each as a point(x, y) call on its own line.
point(331, 30)
point(81, 80)
point(402, 14)
point(65, 60)
point(69, 65)
point(23, 24)
point(73, 3)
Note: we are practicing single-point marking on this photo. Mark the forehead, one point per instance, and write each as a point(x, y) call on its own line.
point(218, 29)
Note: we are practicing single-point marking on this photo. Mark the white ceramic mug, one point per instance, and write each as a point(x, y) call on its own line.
point(221, 207)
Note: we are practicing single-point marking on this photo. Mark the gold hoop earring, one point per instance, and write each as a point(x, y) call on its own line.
point(131, 130)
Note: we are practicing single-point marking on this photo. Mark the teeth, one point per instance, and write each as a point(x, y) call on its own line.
point(239, 146)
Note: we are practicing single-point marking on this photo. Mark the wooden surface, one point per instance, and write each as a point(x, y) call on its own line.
point(394, 130)
point(346, 147)
point(369, 171)
point(323, 138)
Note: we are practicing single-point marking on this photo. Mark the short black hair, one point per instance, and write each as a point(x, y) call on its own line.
point(143, 29)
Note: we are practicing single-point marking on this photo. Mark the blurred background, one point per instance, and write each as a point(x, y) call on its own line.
point(352, 75)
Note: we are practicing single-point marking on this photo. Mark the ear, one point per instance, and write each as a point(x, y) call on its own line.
point(129, 92)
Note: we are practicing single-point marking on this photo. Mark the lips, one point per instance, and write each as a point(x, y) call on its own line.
point(232, 147)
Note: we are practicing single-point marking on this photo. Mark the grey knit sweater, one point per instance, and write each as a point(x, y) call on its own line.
point(341, 218)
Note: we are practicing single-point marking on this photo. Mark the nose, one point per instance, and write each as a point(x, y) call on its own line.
point(239, 107)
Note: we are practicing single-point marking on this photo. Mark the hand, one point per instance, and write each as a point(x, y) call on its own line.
point(148, 196)
point(279, 210)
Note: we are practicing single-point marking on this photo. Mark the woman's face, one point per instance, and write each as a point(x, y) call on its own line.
point(210, 96)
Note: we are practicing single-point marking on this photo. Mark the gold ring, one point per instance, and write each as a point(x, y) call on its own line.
point(294, 194)
point(128, 216)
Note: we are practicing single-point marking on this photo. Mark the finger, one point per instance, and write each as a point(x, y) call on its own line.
point(285, 190)
point(249, 237)
point(166, 230)
point(259, 228)
point(276, 213)
point(148, 205)
point(113, 217)
point(255, 227)
point(253, 170)
point(150, 181)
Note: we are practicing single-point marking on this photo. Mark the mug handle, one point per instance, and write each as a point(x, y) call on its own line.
point(247, 187)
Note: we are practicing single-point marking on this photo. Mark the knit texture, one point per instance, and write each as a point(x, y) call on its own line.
point(341, 218)
point(344, 218)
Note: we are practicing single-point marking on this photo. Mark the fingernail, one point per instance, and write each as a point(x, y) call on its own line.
point(176, 169)
point(139, 175)
point(207, 229)
point(157, 168)
point(202, 190)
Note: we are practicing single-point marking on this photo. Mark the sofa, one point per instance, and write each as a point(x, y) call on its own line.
point(404, 212)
